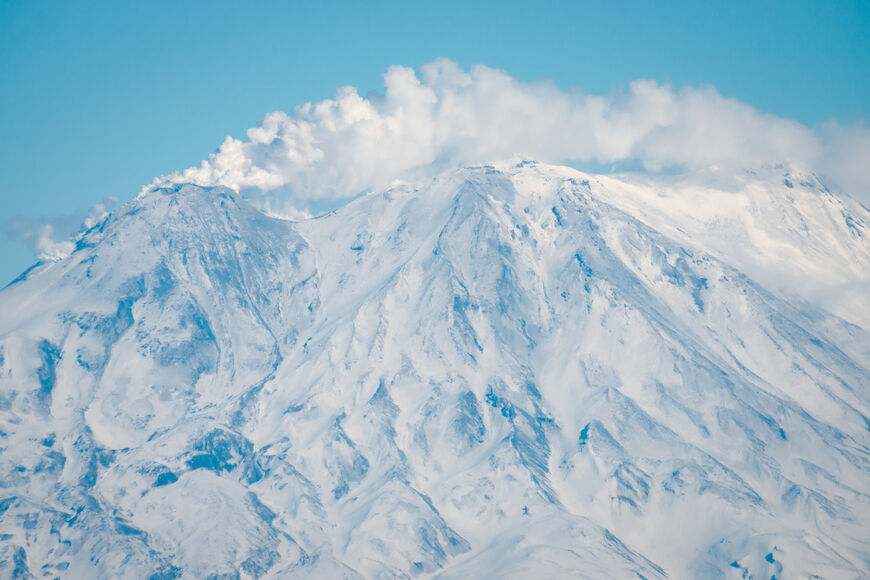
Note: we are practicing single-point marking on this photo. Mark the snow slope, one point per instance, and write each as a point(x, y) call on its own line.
point(512, 370)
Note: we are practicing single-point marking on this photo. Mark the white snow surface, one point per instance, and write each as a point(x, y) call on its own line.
point(512, 370)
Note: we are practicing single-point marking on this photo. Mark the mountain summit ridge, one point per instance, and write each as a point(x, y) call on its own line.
point(512, 368)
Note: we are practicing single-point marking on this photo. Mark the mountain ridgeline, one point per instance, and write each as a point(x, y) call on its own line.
point(511, 370)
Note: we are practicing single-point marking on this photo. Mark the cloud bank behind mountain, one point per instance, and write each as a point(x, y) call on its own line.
point(445, 116)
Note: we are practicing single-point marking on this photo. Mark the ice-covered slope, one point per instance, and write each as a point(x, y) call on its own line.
point(780, 224)
point(511, 370)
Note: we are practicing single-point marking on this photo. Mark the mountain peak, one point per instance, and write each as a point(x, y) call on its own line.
point(511, 367)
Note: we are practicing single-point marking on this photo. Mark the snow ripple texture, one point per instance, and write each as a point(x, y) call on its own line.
point(513, 370)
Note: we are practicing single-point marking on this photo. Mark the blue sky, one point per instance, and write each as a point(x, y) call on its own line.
point(97, 98)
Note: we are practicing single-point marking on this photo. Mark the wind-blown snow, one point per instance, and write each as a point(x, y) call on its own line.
point(510, 370)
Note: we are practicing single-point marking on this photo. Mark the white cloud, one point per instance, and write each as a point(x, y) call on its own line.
point(50, 249)
point(56, 240)
point(446, 116)
point(846, 156)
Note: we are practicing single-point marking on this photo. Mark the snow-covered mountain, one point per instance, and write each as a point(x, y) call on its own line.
point(512, 370)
